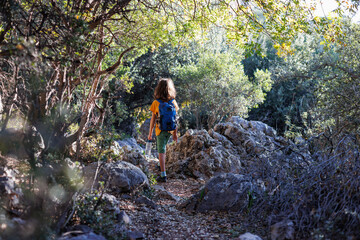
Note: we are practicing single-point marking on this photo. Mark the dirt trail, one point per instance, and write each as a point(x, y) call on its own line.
point(168, 222)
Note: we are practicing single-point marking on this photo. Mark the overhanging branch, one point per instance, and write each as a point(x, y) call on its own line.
point(116, 65)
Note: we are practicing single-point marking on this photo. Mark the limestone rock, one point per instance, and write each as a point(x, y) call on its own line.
point(162, 193)
point(132, 152)
point(135, 157)
point(199, 155)
point(133, 235)
point(254, 126)
point(123, 218)
point(111, 203)
point(119, 176)
point(116, 148)
point(131, 144)
point(231, 147)
point(146, 201)
point(10, 193)
point(226, 192)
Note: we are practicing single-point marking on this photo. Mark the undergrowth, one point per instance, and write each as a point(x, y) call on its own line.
point(321, 194)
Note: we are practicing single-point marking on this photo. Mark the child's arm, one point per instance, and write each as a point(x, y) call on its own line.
point(152, 123)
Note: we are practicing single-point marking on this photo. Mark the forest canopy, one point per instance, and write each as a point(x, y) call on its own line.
point(59, 56)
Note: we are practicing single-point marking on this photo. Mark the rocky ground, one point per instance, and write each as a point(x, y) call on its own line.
point(155, 213)
point(164, 220)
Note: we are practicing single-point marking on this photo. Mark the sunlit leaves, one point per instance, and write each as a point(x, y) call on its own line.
point(215, 87)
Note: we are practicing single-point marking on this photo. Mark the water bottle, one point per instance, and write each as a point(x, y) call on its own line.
point(148, 148)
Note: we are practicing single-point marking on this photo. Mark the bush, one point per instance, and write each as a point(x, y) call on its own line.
point(320, 196)
point(215, 88)
point(92, 210)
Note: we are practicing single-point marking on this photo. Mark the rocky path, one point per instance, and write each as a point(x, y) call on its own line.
point(161, 219)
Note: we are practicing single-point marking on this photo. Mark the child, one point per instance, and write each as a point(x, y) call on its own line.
point(164, 91)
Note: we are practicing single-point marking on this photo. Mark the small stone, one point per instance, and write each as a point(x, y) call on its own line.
point(133, 235)
point(166, 194)
point(146, 201)
point(249, 236)
point(124, 218)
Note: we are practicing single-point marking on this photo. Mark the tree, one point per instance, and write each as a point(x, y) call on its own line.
point(215, 88)
point(316, 86)
point(293, 91)
point(61, 54)
point(338, 92)
point(71, 50)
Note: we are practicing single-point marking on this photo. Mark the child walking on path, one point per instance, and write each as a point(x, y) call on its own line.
point(164, 95)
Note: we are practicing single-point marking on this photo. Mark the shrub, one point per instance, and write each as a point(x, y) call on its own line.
point(320, 196)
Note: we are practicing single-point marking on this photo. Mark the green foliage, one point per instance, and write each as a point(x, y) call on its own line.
point(315, 87)
point(215, 88)
point(93, 211)
point(289, 106)
point(151, 177)
point(99, 147)
point(285, 106)
point(252, 198)
point(217, 70)
point(338, 93)
point(149, 192)
point(145, 72)
point(62, 61)
point(71, 50)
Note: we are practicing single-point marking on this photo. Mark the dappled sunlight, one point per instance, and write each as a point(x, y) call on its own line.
point(57, 194)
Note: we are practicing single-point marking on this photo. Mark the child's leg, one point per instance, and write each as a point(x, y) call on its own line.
point(162, 162)
point(162, 140)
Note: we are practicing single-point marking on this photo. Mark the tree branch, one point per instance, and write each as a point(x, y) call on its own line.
point(116, 65)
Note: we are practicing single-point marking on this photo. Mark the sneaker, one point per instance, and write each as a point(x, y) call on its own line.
point(161, 179)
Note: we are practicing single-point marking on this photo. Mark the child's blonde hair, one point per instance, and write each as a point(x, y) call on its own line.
point(165, 90)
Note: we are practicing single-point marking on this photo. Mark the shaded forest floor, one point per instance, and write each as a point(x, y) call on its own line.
point(163, 219)
point(166, 221)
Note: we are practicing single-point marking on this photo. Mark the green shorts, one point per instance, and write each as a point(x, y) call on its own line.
point(162, 140)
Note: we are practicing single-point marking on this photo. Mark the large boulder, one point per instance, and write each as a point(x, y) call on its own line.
point(250, 137)
point(226, 192)
point(136, 158)
point(131, 152)
point(249, 236)
point(229, 147)
point(283, 230)
point(118, 176)
point(198, 154)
